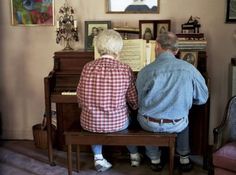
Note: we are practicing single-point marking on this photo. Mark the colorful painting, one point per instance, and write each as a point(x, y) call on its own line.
point(32, 12)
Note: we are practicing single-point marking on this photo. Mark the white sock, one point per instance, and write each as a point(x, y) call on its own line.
point(98, 157)
point(156, 161)
point(135, 156)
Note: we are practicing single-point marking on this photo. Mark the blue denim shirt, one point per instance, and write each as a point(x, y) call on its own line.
point(168, 87)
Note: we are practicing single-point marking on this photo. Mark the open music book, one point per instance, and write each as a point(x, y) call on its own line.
point(136, 53)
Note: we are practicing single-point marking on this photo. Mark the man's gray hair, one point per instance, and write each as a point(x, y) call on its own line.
point(109, 42)
point(168, 40)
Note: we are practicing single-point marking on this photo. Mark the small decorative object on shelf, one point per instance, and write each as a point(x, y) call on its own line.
point(192, 26)
point(67, 29)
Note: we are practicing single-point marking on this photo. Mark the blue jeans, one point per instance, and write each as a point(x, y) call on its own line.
point(97, 149)
point(182, 140)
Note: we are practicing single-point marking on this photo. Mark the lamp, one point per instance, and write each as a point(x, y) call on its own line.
point(67, 29)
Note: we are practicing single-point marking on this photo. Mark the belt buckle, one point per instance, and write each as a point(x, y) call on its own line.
point(161, 123)
point(174, 122)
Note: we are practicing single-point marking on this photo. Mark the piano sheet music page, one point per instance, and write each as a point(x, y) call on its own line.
point(136, 53)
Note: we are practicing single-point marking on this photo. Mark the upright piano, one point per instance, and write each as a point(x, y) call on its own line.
point(60, 87)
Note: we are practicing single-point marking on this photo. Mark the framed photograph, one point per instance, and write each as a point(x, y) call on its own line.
point(149, 29)
point(32, 13)
point(132, 6)
point(190, 57)
point(231, 11)
point(146, 29)
point(92, 29)
point(162, 26)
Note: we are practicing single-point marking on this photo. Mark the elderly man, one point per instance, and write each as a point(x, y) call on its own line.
point(105, 90)
point(167, 89)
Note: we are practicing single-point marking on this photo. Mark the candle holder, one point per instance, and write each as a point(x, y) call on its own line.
point(67, 29)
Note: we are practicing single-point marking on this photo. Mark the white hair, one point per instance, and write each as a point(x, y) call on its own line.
point(109, 42)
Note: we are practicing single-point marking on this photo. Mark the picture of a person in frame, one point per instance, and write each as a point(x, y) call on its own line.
point(190, 58)
point(94, 33)
point(162, 28)
point(148, 34)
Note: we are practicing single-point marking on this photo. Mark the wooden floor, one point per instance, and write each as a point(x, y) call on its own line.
point(120, 162)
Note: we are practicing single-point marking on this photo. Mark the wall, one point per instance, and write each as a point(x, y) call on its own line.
point(26, 56)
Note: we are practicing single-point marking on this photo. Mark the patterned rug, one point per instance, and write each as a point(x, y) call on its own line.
point(12, 163)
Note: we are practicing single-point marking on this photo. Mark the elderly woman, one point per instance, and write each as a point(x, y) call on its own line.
point(105, 88)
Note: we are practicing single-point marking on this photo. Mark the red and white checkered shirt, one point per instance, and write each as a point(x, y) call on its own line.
point(106, 86)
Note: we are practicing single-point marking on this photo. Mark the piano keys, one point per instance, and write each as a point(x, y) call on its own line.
point(68, 93)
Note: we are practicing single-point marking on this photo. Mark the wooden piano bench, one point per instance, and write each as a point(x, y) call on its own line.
point(125, 137)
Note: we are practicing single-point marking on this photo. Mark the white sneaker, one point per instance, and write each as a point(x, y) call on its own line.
point(184, 159)
point(102, 165)
point(135, 159)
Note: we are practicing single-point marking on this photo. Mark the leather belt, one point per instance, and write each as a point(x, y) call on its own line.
point(155, 120)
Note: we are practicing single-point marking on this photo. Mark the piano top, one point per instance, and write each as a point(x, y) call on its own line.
point(71, 61)
point(66, 72)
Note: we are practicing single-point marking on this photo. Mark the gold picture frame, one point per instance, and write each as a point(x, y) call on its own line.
point(32, 13)
point(131, 6)
point(190, 56)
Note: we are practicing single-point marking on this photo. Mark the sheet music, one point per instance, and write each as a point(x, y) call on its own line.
point(133, 53)
point(136, 53)
point(152, 44)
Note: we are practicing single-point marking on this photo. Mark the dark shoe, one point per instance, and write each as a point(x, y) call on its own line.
point(157, 166)
point(185, 165)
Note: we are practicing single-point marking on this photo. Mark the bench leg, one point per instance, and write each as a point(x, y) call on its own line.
point(69, 159)
point(78, 158)
point(171, 159)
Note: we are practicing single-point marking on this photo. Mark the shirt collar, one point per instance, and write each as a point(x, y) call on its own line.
point(167, 55)
point(108, 56)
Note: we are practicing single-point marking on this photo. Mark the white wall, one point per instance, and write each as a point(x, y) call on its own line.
point(26, 56)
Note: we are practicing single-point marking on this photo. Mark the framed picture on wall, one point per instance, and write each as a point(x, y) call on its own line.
point(162, 26)
point(132, 6)
point(231, 11)
point(32, 13)
point(149, 29)
point(146, 30)
point(190, 57)
point(92, 29)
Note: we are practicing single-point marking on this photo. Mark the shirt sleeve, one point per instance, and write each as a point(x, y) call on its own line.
point(200, 90)
point(131, 96)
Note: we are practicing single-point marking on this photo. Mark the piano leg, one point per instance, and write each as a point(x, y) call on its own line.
point(48, 114)
point(49, 133)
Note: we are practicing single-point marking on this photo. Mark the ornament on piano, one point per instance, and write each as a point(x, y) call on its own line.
point(67, 29)
point(192, 26)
